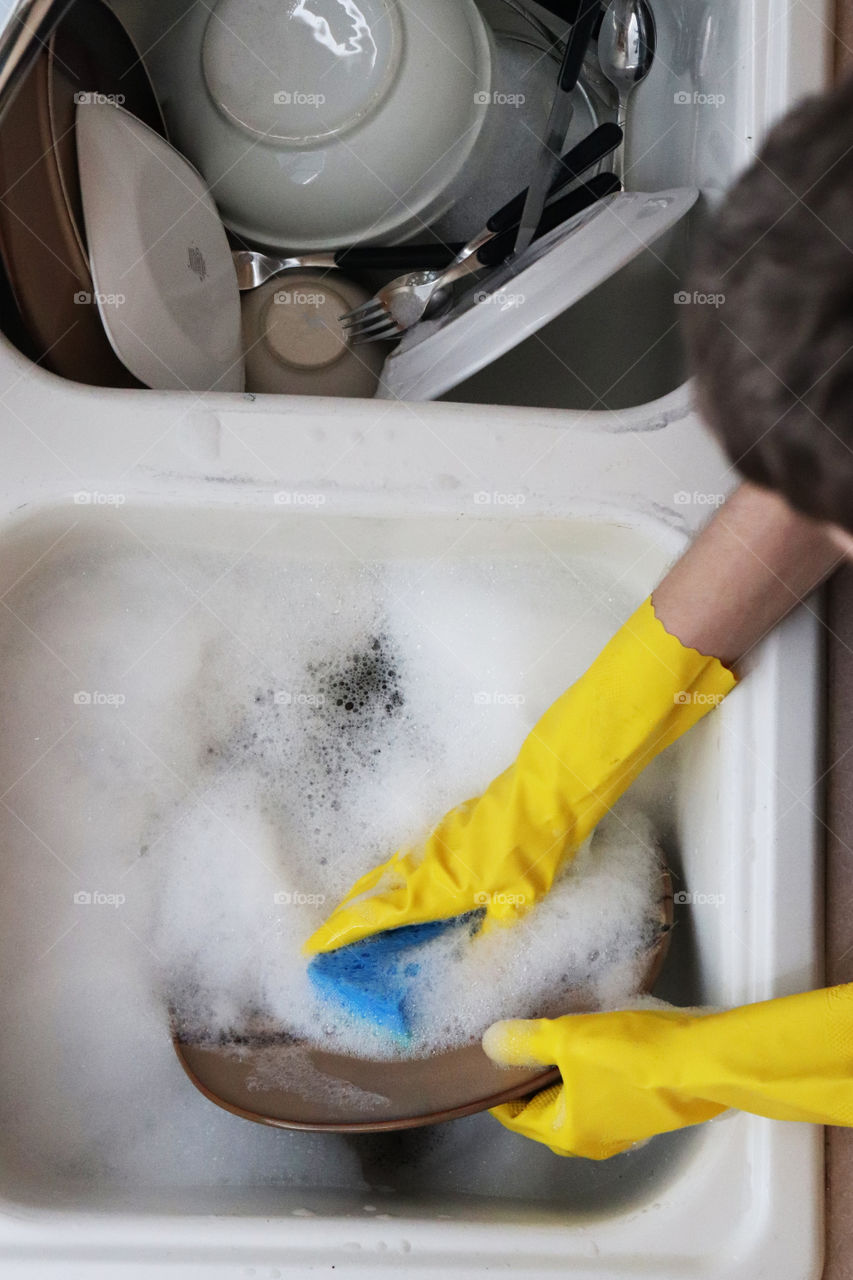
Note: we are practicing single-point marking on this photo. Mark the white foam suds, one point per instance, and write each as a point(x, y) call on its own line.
point(224, 798)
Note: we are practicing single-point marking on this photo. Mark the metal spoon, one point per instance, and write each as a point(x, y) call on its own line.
point(626, 51)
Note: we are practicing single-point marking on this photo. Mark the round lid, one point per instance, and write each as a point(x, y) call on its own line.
point(287, 71)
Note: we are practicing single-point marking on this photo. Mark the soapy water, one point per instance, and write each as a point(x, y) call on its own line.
point(275, 739)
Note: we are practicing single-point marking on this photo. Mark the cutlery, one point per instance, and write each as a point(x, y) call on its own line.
point(547, 161)
point(626, 51)
point(404, 302)
point(254, 268)
point(409, 295)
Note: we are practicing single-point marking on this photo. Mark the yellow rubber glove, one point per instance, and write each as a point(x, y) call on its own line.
point(503, 849)
point(632, 1074)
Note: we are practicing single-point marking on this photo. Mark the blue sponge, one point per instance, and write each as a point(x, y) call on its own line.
point(373, 979)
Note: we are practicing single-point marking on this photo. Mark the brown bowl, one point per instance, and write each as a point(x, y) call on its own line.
point(42, 241)
point(402, 1094)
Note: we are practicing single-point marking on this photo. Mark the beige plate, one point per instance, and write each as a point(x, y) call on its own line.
point(416, 1091)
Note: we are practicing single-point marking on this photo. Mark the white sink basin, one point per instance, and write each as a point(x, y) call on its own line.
point(739, 1197)
point(615, 492)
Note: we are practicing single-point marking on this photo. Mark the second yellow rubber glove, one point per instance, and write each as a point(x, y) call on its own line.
point(631, 1074)
point(503, 849)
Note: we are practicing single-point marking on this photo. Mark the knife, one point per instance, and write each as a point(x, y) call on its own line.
point(555, 214)
point(548, 157)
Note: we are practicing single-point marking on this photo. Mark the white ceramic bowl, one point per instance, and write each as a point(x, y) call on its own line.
point(316, 127)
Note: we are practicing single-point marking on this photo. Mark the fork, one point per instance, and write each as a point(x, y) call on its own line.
point(408, 302)
point(404, 301)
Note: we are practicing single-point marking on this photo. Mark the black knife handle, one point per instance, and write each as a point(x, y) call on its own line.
point(590, 151)
point(577, 43)
point(568, 10)
point(394, 257)
point(580, 198)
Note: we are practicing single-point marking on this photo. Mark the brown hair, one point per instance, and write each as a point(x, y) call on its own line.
point(772, 351)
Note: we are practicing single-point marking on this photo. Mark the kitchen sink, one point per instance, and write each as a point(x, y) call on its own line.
point(580, 449)
point(200, 1189)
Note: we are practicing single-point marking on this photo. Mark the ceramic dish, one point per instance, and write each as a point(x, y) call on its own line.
point(162, 268)
point(294, 342)
point(502, 162)
point(41, 225)
point(393, 1094)
point(515, 300)
point(316, 132)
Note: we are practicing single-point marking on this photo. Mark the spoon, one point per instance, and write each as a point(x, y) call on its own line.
point(626, 51)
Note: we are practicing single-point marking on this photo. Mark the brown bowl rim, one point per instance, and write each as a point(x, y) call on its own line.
point(657, 955)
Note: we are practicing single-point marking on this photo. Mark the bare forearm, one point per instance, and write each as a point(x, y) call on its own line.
point(755, 561)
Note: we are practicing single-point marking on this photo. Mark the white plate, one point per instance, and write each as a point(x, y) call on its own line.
point(162, 270)
point(240, 83)
point(517, 299)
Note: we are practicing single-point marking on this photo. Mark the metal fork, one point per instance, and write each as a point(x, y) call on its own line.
point(402, 303)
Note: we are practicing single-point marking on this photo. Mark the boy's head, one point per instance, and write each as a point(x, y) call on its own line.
point(774, 362)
